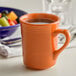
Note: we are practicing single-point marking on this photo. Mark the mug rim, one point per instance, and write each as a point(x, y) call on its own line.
point(24, 16)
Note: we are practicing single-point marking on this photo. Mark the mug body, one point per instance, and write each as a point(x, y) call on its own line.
point(38, 41)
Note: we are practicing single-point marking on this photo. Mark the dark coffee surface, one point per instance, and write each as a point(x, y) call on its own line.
point(39, 21)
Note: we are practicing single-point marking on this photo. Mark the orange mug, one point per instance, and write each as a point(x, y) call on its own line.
point(39, 41)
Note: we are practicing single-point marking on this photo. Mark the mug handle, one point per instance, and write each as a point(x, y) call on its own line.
point(67, 35)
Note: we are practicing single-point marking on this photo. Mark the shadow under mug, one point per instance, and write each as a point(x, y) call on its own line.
point(39, 42)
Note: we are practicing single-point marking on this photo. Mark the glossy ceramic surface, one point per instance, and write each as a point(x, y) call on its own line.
point(40, 41)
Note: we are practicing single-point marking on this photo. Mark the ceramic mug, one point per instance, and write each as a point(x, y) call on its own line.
point(39, 42)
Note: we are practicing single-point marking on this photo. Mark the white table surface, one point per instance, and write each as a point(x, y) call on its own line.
point(66, 62)
point(65, 66)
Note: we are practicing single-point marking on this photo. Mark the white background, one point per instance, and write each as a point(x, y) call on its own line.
point(29, 5)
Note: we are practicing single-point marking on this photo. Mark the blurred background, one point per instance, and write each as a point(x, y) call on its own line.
point(34, 6)
point(29, 5)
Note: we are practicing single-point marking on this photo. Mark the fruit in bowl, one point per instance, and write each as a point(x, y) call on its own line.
point(9, 20)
